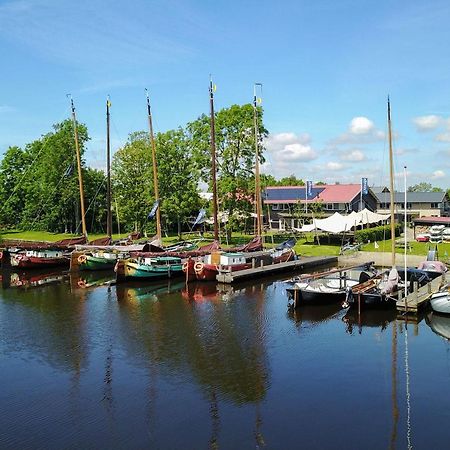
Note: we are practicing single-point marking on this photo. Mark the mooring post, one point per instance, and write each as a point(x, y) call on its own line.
point(253, 263)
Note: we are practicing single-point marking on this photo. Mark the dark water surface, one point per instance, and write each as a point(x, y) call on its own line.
point(160, 366)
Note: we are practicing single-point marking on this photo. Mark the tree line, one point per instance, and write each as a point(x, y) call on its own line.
point(39, 185)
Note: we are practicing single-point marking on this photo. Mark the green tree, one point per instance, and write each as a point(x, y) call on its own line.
point(95, 199)
point(132, 180)
point(51, 193)
point(235, 145)
point(291, 180)
point(13, 169)
point(178, 176)
point(424, 187)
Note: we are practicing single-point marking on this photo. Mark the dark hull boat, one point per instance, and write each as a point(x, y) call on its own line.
point(382, 292)
point(329, 287)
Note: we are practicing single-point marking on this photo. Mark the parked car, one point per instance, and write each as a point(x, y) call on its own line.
point(423, 237)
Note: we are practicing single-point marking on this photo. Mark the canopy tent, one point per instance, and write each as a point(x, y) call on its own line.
point(337, 223)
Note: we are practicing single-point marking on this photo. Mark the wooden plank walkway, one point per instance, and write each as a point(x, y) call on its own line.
point(419, 297)
point(226, 276)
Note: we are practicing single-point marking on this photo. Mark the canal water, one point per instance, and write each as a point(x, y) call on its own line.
point(163, 366)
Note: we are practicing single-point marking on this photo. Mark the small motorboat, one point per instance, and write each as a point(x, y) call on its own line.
point(440, 301)
point(329, 287)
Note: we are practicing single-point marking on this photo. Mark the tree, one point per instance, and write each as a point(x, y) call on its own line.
point(40, 186)
point(178, 177)
point(13, 168)
point(177, 180)
point(132, 180)
point(424, 187)
point(235, 145)
point(291, 180)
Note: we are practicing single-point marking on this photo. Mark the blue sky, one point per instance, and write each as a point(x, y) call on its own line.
point(326, 68)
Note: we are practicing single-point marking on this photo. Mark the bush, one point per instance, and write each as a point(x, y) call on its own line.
point(376, 233)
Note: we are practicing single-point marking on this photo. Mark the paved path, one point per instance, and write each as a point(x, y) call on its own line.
point(380, 259)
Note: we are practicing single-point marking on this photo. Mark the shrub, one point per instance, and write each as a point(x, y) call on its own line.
point(376, 233)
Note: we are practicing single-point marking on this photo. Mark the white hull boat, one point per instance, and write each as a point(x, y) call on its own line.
point(440, 302)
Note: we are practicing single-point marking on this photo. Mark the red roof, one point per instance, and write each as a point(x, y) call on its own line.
point(432, 220)
point(339, 193)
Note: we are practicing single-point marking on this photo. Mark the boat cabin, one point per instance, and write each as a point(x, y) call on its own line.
point(44, 253)
point(161, 261)
point(225, 259)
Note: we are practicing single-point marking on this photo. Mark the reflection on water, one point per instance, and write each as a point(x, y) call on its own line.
point(439, 323)
point(170, 365)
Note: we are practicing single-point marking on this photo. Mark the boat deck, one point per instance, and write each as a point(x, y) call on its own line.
point(226, 276)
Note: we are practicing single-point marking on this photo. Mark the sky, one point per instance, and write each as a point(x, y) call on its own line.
point(326, 67)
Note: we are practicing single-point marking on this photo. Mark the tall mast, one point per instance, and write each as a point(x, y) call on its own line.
point(80, 177)
point(213, 159)
point(155, 171)
point(257, 178)
point(108, 172)
point(391, 175)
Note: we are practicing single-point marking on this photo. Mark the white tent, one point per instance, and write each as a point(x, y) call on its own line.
point(337, 223)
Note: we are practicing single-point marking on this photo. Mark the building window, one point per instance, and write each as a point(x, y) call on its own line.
point(329, 206)
point(435, 205)
point(274, 207)
point(336, 206)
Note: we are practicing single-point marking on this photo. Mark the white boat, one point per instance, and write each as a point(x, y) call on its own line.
point(440, 302)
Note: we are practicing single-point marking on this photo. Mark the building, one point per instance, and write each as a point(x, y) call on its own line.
point(418, 204)
point(289, 207)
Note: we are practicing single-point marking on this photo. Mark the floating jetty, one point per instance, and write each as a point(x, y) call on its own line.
point(304, 263)
point(419, 297)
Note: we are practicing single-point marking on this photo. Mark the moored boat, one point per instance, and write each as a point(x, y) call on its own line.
point(40, 258)
point(440, 301)
point(208, 268)
point(148, 268)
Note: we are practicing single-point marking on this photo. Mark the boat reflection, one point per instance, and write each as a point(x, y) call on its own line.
point(440, 324)
point(135, 293)
point(313, 314)
point(198, 339)
point(376, 318)
point(25, 280)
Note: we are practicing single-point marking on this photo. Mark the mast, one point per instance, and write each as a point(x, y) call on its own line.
point(257, 178)
point(108, 172)
point(155, 171)
point(213, 159)
point(80, 177)
point(391, 176)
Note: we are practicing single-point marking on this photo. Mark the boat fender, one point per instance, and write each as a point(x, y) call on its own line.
point(198, 267)
point(82, 259)
point(82, 284)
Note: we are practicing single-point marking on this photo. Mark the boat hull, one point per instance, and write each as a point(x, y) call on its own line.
point(96, 263)
point(440, 302)
point(315, 298)
point(36, 262)
point(129, 270)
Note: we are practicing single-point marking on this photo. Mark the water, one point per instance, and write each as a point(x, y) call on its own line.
point(163, 367)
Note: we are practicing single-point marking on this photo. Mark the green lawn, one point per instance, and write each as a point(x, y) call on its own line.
point(46, 236)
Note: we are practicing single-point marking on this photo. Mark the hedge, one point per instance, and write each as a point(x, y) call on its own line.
point(376, 233)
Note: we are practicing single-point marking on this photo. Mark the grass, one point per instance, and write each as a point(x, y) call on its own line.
point(46, 236)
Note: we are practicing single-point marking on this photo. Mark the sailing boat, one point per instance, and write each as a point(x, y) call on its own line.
point(380, 291)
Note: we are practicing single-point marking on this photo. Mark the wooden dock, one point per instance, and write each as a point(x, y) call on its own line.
point(304, 263)
point(420, 296)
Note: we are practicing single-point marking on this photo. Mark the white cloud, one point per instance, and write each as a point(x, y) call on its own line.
point(427, 123)
point(361, 130)
point(438, 174)
point(332, 165)
point(443, 137)
point(353, 155)
point(361, 125)
point(290, 147)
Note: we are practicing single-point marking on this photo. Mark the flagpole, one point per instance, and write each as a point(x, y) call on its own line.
point(155, 171)
point(213, 159)
point(108, 171)
point(257, 177)
point(80, 177)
